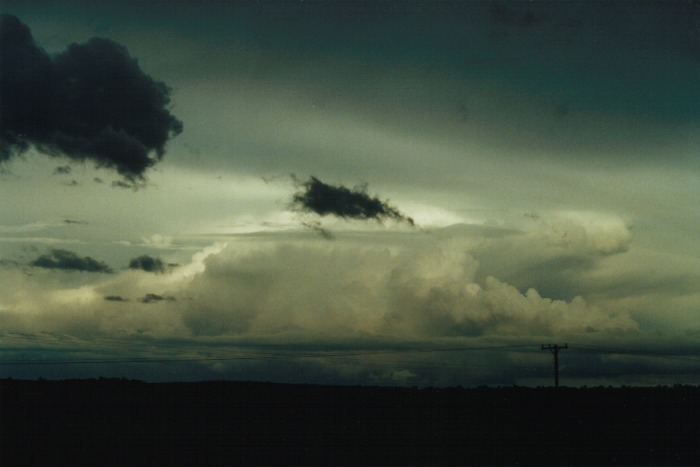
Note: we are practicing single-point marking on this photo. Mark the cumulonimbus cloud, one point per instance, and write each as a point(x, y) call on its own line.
point(349, 203)
point(90, 102)
point(69, 261)
point(421, 289)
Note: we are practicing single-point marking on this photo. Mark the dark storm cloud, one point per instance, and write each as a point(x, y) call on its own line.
point(91, 102)
point(149, 264)
point(355, 203)
point(68, 260)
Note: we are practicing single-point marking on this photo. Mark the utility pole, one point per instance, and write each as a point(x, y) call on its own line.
point(554, 348)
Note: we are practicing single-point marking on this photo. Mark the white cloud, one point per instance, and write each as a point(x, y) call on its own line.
point(158, 241)
point(604, 233)
point(421, 288)
point(417, 286)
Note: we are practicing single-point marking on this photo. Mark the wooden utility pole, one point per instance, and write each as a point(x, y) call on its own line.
point(555, 348)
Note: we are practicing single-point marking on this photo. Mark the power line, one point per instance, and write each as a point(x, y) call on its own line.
point(198, 353)
point(642, 353)
point(87, 346)
point(273, 356)
point(555, 348)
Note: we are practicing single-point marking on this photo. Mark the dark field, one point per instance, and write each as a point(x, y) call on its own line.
point(120, 422)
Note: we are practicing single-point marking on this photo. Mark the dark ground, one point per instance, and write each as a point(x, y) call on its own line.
point(120, 422)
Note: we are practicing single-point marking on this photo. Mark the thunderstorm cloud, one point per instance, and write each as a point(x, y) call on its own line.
point(91, 102)
point(547, 150)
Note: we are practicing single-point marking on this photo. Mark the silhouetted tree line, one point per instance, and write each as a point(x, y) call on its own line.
point(125, 422)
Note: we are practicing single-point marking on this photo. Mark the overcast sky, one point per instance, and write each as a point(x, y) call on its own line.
point(494, 175)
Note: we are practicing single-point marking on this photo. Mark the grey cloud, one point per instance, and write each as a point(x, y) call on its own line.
point(90, 102)
point(149, 264)
point(554, 252)
point(516, 15)
point(319, 229)
point(70, 261)
point(155, 298)
point(557, 277)
point(116, 298)
point(121, 184)
point(8, 263)
point(323, 199)
point(63, 170)
point(640, 284)
point(213, 320)
point(516, 96)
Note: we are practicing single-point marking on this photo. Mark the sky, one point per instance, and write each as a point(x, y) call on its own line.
point(381, 193)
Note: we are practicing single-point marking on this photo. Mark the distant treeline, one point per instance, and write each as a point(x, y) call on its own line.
point(125, 422)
